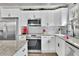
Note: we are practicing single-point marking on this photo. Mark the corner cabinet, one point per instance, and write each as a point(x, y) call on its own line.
point(22, 51)
point(9, 12)
point(64, 16)
point(60, 16)
point(60, 46)
point(47, 44)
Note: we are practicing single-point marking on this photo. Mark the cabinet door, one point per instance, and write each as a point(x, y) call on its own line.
point(51, 18)
point(57, 17)
point(10, 12)
point(44, 18)
point(62, 47)
point(48, 44)
point(57, 45)
point(64, 13)
point(51, 44)
point(44, 44)
point(47, 18)
point(37, 14)
point(22, 52)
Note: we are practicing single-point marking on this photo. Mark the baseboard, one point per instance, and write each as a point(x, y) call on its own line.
point(34, 51)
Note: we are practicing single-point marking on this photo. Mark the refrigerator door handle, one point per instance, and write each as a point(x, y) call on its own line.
point(5, 32)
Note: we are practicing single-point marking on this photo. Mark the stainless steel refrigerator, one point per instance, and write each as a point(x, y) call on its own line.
point(8, 29)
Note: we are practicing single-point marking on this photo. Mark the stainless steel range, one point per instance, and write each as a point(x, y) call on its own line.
point(34, 42)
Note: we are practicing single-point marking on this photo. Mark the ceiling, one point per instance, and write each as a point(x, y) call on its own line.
point(32, 5)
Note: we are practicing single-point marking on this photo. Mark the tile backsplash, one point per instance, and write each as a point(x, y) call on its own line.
point(35, 30)
point(51, 30)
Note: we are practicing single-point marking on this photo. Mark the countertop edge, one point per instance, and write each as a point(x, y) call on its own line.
point(71, 43)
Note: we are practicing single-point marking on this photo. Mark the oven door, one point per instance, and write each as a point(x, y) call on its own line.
point(34, 44)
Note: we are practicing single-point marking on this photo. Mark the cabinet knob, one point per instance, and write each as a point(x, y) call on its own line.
point(23, 50)
point(48, 41)
point(9, 14)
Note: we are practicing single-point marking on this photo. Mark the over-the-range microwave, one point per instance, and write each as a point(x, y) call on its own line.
point(34, 22)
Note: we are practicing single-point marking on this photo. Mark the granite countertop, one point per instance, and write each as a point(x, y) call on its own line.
point(73, 41)
point(10, 47)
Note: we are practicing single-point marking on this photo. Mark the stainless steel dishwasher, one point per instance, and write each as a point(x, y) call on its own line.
point(8, 29)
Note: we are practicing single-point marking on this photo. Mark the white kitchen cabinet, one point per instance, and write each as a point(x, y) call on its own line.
point(44, 18)
point(57, 45)
point(60, 46)
point(57, 17)
point(22, 37)
point(33, 14)
point(36, 14)
point(64, 16)
point(71, 50)
point(26, 15)
point(10, 12)
point(47, 44)
point(52, 43)
point(22, 52)
point(47, 17)
point(51, 18)
point(60, 16)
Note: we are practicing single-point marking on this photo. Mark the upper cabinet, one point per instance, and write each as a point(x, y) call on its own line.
point(51, 18)
point(60, 16)
point(47, 18)
point(57, 17)
point(54, 17)
point(44, 18)
point(64, 16)
point(9, 12)
point(74, 12)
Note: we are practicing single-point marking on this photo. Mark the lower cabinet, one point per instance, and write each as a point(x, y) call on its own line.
point(22, 52)
point(47, 44)
point(60, 46)
point(22, 37)
point(71, 50)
